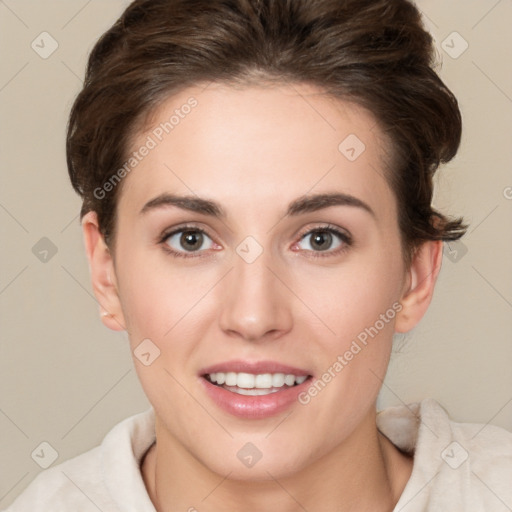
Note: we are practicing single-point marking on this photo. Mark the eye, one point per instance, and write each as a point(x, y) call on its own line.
point(324, 239)
point(188, 241)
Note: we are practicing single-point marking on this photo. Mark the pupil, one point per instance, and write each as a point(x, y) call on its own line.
point(321, 240)
point(191, 240)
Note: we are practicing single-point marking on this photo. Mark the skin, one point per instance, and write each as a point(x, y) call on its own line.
point(253, 151)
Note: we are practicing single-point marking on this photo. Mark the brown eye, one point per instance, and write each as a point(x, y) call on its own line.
point(189, 241)
point(323, 240)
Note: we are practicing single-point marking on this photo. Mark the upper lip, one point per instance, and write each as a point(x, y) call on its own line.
point(254, 367)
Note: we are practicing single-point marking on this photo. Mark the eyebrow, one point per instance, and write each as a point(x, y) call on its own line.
point(315, 202)
point(303, 204)
point(191, 203)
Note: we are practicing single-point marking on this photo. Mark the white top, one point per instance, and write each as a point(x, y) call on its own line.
point(457, 467)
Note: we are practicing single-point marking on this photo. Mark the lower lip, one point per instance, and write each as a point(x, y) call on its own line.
point(254, 407)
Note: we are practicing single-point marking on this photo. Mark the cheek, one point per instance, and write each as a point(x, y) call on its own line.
point(359, 303)
point(355, 296)
point(360, 306)
point(160, 302)
point(158, 295)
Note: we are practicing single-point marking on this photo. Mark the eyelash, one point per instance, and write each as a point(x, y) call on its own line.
point(345, 238)
point(166, 235)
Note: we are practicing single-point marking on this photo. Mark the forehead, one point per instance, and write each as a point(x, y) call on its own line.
point(258, 143)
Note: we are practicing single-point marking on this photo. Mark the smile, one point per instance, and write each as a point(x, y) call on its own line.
point(254, 390)
point(255, 385)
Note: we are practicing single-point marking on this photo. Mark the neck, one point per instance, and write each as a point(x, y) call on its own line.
point(365, 473)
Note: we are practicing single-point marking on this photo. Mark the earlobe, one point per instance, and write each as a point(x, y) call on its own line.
point(102, 271)
point(419, 288)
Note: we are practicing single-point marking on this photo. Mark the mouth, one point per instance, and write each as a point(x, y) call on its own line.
point(254, 390)
point(260, 384)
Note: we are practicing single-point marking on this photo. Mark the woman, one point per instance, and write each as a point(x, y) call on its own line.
point(257, 184)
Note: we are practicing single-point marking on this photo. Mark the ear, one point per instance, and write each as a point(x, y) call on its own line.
point(419, 286)
point(101, 266)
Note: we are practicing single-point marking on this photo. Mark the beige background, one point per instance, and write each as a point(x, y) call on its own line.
point(66, 380)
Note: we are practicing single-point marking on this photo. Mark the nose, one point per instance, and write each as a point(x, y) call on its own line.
point(255, 303)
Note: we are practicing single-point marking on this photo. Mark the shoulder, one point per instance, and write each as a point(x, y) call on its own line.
point(476, 444)
point(103, 478)
point(455, 464)
point(75, 484)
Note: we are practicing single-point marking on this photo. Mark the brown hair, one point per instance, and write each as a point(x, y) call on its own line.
point(375, 53)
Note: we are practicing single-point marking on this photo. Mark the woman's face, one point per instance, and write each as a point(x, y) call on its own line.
point(284, 259)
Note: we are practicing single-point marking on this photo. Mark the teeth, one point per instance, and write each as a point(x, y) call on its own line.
point(265, 381)
point(278, 380)
point(230, 379)
point(249, 381)
point(245, 380)
point(289, 380)
point(253, 392)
